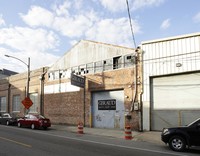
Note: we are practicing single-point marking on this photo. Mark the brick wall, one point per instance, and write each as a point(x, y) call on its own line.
point(67, 108)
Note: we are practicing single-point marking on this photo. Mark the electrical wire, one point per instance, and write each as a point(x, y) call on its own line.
point(129, 15)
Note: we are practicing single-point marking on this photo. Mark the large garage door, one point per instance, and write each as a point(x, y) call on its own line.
point(108, 109)
point(175, 100)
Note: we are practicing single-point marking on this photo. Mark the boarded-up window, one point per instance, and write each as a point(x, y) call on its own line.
point(2, 104)
point(16, 103)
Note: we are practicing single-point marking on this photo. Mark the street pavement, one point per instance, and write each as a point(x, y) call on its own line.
point(147, 136)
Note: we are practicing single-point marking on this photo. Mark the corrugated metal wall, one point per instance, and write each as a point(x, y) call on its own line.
point(168, 56)
point(161, 57)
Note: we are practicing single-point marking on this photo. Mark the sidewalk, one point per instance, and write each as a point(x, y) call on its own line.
point(149, 136)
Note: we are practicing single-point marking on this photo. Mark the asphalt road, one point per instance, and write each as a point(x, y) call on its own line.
point(16, 141)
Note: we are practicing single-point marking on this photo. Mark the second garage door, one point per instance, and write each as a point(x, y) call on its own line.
point(175, 100)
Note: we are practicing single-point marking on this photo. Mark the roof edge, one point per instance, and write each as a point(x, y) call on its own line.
point(171, 38)
point(108, 44)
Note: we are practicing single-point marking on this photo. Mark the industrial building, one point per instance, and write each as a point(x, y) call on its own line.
point(171, 73)
point(106, 99)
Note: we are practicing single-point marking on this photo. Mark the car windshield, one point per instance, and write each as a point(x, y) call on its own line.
point(194, 122)
point(40, 117)
point(30, 116)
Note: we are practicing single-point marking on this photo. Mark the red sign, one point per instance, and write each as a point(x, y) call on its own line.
point(27, 102)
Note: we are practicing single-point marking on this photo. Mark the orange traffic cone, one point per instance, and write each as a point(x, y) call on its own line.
point(128, 133)
point(80, 128)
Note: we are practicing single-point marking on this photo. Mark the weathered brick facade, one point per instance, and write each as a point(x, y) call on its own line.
point(16, 85)
point(68, 108)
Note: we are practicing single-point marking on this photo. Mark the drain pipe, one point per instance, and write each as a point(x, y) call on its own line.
point(9, 87)
point(137, 95)
point(42, 78)
point(140, 82)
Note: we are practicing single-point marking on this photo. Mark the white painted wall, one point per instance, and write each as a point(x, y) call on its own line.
point(160, 58)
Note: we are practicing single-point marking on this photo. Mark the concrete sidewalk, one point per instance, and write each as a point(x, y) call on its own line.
point(149, 136)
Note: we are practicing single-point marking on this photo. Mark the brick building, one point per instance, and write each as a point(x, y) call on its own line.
point(13, 91)
point(110, 98)
point(110, 92)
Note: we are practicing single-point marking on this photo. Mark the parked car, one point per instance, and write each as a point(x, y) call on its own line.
point(34, 121)
point(179, 138)
point(7, 119)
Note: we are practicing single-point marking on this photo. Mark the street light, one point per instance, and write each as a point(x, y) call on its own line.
point(28, 74)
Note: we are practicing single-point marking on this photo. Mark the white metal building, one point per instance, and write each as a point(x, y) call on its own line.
point(171, 80)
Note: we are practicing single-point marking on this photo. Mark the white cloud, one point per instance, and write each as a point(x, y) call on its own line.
point(63, 8)
point(114, 6)
point(115, 31)
point(165, 24)
point(25, 42)
point(28, 39)
point(38, 16)
point(2, 22)
point(78, 4)
point(120, 5)
point(196, 18)
point(68, 25)
point(72, 26)
point(138, 4)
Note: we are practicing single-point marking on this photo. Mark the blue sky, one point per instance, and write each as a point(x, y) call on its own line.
point(45, 30)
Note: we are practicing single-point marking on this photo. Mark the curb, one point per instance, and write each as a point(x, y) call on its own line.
point(148, 136)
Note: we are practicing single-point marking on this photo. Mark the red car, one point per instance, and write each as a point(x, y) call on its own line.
point(34, 121)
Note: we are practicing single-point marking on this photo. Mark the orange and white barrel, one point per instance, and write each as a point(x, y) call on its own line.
point(80, 128)
point(128, 133)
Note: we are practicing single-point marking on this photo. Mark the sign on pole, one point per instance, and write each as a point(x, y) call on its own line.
point(27, 102)
point(77, 81)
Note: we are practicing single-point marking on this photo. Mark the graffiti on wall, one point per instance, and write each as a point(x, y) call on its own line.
point(98, 118)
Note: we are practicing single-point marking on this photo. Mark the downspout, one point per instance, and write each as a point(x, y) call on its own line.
point(137, 95)
point(135, 84)
point(84, 102)
point(42, 78)
point(140, 82)
point(9, 87)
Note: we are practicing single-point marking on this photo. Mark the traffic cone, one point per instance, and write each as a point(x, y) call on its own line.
point(80, 128)
point(128, 133)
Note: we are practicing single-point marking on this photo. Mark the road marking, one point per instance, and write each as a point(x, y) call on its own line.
point(114, 145)
point(16, 142)
point(107, 144)
point(121, 146)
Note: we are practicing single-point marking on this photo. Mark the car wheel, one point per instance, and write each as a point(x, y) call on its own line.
point(32, 126)
point(19, 124)
point(177, 143)
point(7, 123)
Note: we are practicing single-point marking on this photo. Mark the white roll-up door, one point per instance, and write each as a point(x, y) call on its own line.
point(108, 109)
point(175, 100)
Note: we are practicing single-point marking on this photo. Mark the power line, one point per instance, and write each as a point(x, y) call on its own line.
point(129, 15)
